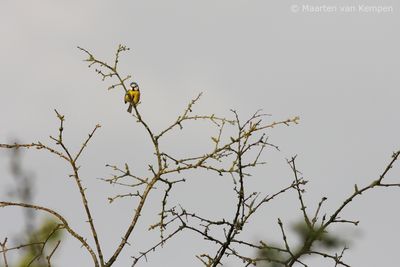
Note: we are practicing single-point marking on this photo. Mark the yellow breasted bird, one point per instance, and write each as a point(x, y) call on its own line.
point(132, 96)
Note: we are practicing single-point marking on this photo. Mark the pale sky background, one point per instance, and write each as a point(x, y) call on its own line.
point(337, 71)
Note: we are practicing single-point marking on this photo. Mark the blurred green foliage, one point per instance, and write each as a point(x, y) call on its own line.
point(310, 239)
point(44, 239)
point(40, 239)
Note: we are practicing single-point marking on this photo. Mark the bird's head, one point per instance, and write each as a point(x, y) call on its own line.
point(134, 86)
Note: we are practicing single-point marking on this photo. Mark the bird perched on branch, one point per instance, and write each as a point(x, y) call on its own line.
point(132, 96)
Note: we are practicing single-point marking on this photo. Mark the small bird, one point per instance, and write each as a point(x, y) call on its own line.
point(132, 96)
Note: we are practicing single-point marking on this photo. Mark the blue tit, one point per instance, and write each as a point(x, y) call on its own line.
point(132, 96)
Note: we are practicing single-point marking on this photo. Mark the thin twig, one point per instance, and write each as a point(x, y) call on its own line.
point(4, 251)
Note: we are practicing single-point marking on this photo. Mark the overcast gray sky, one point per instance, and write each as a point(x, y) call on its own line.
point(337, 70)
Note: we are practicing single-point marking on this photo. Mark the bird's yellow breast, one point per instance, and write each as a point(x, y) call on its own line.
point(132, 96)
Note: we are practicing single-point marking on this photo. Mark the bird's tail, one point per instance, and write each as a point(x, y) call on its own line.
point(130, 108)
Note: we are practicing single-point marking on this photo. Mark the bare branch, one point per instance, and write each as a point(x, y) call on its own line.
point(37, 145)
point(75, 168)
point(4, 251)
point(86, 142)
point(112, 70)
point(299, 191)
point(153, 248)
point(48, 258)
